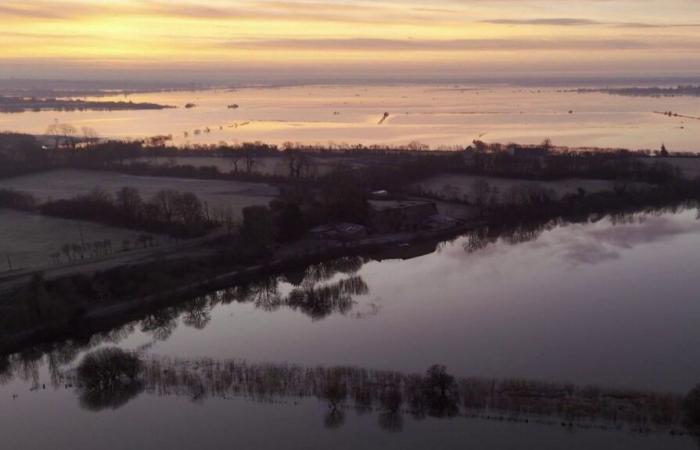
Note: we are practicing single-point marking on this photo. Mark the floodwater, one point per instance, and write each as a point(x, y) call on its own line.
point(432, 115)
point(610, 302)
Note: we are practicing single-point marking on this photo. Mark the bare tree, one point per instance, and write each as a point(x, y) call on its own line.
point(164, 202)
point(90, 135)
point(63, 133)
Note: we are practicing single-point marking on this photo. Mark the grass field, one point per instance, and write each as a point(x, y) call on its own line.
point(67, 183)
point(30, 239)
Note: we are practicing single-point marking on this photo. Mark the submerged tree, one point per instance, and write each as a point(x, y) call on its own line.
point(108, 368)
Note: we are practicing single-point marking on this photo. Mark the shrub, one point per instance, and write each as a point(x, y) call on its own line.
point(691, 406)
point(108, 368)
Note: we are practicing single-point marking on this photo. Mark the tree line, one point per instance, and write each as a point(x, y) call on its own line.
point(109, 378)
point(178, 214)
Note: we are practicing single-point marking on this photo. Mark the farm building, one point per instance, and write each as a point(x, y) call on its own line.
point(410, 215)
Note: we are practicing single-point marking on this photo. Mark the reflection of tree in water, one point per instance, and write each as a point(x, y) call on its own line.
point(6, 374)
point(318, 273)
point(161, 324)
point(434, 395)
point(313, 295)
point(320, 302)
point(316, 301)
point(520, 233)
point(391, 394)
point(115, 398)
point(197, 313)
point(334, 418)
point(108, 378)
point(55, 356)
point(481, 238)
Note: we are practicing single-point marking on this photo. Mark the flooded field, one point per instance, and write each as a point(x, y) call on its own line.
point(580, 303)
point(433, 115)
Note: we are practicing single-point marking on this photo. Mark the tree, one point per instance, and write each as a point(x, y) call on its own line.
point(108, 368)
point(258, 226)
point(440, 392)
point(35, 297)
point(164, 203)
point(63, 132)
point(188, 208)
point(547, 144)
point(290, 223)
point(129, 201)
point(298, 163)
point(249, 161)
point(480, 190)
point(67, 250)
point(342, 196)
point(90, 135)
point(691, 406)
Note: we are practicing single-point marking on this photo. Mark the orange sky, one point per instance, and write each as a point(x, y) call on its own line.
point(382, 37)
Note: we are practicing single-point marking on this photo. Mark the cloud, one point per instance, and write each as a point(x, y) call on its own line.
point(593, 245)
point(384, 45)
point(561, 21)
point(578, 22)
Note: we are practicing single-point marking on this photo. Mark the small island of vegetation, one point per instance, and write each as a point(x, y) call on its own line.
point(9, 104)
point(676, 91)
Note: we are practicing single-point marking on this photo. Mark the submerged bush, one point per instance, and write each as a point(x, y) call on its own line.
point(108, 369)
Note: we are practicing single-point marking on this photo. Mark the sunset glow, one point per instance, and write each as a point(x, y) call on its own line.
point(300, 37)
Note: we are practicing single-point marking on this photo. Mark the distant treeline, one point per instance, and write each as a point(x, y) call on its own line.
point(23, 104)
point(677, 91)
point(546, 163)
point(386, 165)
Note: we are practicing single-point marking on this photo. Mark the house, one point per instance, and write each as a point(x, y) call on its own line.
point(387, 216)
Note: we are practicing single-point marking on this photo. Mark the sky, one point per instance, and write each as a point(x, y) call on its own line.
point(346, 39)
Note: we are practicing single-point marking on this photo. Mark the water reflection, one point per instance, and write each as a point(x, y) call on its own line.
point(334, 287)
point(391, 395)
point(101, 400)
point(587, 243)
point(316, 294)
point(500, 329)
